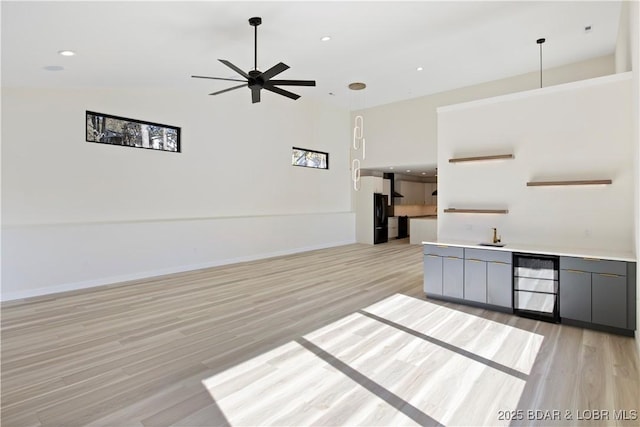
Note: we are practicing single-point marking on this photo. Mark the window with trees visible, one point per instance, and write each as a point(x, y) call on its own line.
point(309, 158)
point(114, 130)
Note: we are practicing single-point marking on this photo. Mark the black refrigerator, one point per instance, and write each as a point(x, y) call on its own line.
point(380, 220)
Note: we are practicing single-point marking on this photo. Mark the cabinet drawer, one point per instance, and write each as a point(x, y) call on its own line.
point(594, 265)
point(439, 250)
point(488, 255)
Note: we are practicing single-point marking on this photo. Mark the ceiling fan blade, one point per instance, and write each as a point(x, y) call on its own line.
point(281, 92)
point(255, 94)
point(292, 82)
point(218, 78)
point(228, 89)
point(275, 70)
point(234, 68)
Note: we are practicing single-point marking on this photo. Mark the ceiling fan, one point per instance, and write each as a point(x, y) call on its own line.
point(257, 80)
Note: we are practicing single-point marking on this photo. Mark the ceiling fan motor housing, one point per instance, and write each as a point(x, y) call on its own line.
point(258, 80)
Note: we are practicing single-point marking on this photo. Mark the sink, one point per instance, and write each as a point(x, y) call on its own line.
point(497, 245)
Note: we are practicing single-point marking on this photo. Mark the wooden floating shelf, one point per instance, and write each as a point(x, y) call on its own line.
point(581, 182)
point(481, 158)
point(478, 211)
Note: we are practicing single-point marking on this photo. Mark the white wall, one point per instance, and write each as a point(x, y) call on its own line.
point(364, 207)
point(580, 130)
point(77, 213)
point(623, 43)
point(634, 38)
point(404, 133)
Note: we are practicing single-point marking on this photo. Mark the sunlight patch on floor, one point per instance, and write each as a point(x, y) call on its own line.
point(402, 361)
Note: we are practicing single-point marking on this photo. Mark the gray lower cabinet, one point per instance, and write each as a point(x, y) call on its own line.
point(595, 291)
point(453, 277)
point(488, 277)
point(599, 294)
point(475, 280)
point(500, 284)
point(575, 295)
point(609, 303)
point(443, 270)
point(433, 274)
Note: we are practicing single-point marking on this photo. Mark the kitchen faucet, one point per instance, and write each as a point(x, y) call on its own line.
point(496, 238)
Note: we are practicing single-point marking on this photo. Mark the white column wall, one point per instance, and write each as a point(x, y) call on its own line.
point(580, 130)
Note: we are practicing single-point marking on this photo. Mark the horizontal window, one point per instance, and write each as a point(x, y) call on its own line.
point(309, 158)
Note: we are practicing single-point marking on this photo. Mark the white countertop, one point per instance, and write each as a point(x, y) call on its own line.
point(542, 250)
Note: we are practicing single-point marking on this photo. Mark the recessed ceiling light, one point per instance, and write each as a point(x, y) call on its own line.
point(357, 86)
point(325, 38)
point(424, 173)
point(66, 52)
point(408, 170)
point(391, 167)
point(419, 69)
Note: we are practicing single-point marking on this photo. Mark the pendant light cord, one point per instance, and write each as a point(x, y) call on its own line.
point(540, 41)
point(541, 65)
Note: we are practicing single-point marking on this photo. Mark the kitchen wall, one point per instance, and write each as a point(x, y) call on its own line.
point(78, 214)
point(581, 130)
point(405, 133)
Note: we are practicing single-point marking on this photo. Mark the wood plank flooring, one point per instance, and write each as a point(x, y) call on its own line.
point(340, 336)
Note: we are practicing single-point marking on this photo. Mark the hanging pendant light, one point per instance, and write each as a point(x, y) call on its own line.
point(540, 42)
point(358, 141)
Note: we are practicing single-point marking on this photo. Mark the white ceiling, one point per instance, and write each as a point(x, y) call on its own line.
point(160, 44)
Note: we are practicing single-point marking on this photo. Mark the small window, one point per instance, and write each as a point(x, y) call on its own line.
point(309, 158)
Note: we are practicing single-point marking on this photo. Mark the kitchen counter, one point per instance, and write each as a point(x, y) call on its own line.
point(422, 228)
point(540, 250)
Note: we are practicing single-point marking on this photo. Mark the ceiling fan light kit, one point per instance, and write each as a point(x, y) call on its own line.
point(257, 80)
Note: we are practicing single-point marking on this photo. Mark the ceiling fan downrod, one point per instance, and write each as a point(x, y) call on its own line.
point(254, 22)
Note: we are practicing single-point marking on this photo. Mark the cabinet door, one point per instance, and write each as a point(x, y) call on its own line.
point(453, 277)
point(575, 295)
point(433, 274)
point(499, 284)
point(475, 280)
point(609, 305)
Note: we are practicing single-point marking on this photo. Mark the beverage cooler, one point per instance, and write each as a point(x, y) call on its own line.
point(535, 286)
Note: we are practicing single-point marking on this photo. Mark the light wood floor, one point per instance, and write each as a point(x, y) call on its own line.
point(341, 336)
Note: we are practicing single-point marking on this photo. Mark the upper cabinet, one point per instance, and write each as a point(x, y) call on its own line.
point(413, 192)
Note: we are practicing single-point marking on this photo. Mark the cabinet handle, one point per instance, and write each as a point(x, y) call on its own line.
point(474, 260)
point(498, 262)
point(442, 246)
point(433, 256)
point(591, 259)
point(576, 271)
point(608, 275)
point(452, 257)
